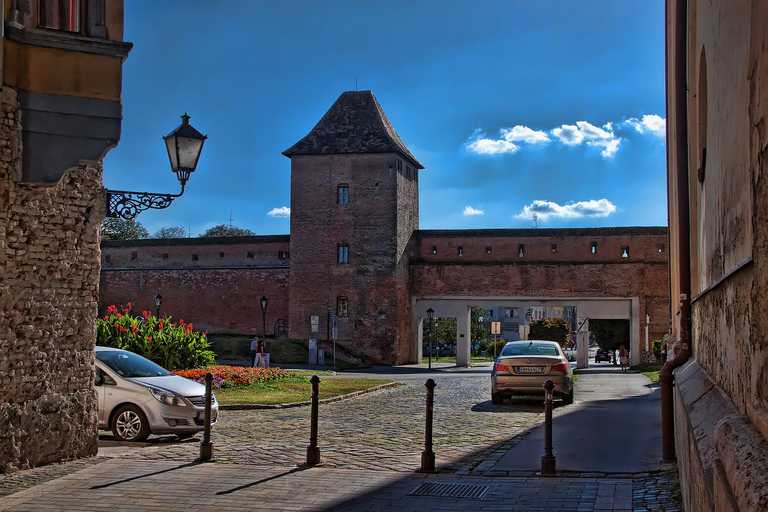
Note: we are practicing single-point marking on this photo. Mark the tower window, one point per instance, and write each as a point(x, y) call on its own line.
point(554, 247)
point(342, 196)
point(521, 250)
point(342, 306)
point(195, 257)
point(434, 249)
point(134, 255)
point(249, 254)
point(625, 251)
point(593, 247)
point(399, 165)
point(408, 171)
point(282, 255)
point(488, 250)
point(461, 251)
point(221, 255)
point(343, 253)
point(660, 248)
point(165, 255)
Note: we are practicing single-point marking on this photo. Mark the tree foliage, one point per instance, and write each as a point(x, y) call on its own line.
point(172, 232)
point(480, 330)
point(121, 229)
point(224, 230)
point(552, 329)
point(610, 334)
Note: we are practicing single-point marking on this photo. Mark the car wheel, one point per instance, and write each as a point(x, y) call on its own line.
point(568, 399)
point(130, 424)
point(496, 398)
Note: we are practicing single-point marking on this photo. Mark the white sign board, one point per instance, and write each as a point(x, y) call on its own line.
point(315, 321)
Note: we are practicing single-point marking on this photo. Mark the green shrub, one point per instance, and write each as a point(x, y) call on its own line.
point(657, 349)
point(174, 346)
point(552, 329)
point(487, 346)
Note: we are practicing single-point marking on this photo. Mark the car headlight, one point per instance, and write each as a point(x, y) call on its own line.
point(166, 397)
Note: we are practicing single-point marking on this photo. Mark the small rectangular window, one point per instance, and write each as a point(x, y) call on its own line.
point(165, 255)
point(195, 257)
point(60, 15)
point(593, 247)
point(221, 255)
point(660, 248)
point(107, 258)
point(625, 251)
point(399, 165)
point(554, 247)
point(461, 251)
point(488, 250)
point(134, 255)
point(249, 255)
point(434, 249)
point(342, 306)
point(521, 250)
point(408, 171)
point(342, 196)
point(282, 255)
point(343, 254)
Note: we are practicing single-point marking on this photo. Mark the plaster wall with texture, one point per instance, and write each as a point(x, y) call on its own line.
point(721, 395)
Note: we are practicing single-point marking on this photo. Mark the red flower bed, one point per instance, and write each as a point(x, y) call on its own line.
point(234, 376)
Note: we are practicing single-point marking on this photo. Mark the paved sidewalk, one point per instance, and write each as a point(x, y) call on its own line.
point(370, 447)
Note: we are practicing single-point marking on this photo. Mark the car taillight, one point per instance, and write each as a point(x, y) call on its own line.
point(559, 367)
point(501, 367)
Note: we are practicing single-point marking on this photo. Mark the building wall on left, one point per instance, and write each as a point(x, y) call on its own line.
point(55, 129)
point(49, 256)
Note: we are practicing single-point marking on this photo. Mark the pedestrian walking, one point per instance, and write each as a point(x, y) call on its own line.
point(623, 358)
point(254, 348)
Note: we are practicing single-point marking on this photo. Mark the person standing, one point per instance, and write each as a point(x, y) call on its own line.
point(260, 359)
point(623, 358)
point(254, 348)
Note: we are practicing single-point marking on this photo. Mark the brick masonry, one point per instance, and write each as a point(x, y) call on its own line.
point(49, 253)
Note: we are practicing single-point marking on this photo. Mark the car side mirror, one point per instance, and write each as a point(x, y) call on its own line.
point(98, 380)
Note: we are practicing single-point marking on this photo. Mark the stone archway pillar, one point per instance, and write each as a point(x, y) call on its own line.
point(463, 338)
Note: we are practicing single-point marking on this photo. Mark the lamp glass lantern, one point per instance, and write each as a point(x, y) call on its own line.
point(184, 145)
point(158, 300)
point(263, 302)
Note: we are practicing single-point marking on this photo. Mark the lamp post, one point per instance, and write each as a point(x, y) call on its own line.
point(263, 302)
point(184, 146)
point(158, 301)
point(431, 315)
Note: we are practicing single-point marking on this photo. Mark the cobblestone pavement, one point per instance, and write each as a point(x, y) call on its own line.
point(380, 435)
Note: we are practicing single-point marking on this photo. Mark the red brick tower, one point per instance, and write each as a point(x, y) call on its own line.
point(354, 207)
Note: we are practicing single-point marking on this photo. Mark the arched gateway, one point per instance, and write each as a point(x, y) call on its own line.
point(355, 251)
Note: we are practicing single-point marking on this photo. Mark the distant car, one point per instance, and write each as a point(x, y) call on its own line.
point(137, 397)
point(524, 366)
point(602, 355)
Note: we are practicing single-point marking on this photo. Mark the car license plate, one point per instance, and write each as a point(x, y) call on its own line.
point(530, 369)
point(201, 415)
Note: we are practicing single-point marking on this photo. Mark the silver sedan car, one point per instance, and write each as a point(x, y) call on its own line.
point(524, 366)
point(137, 397)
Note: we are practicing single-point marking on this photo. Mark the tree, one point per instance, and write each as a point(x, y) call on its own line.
point(479, 331)
point(121, 229)
point(224, 230)
point(610, 334)
point(553, 329)
point(172, 232)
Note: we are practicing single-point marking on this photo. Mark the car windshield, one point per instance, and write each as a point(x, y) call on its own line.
point(530, 349)
point(128, 364)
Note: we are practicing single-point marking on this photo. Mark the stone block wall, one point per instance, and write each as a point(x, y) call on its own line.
point(49, 256)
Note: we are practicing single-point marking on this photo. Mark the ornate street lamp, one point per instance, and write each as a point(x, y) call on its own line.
point(263, 302)
point(158, 301)
point(184, 146)
point(431, 315)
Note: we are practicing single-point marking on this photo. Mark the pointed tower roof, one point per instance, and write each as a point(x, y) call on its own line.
point(355, 123)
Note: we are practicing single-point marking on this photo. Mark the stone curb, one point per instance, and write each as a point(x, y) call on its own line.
point(243, 407)
point(564, 474)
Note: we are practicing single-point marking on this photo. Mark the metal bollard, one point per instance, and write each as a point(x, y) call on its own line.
point(206, 446)
point(428, 455)
point(548, 460)
point(313, 452)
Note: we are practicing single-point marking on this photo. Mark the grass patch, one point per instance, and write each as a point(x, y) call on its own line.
point(294, 389)
point(649, 370)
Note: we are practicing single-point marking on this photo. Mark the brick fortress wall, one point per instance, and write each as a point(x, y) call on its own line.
point(215, 283)
point(49, 251)
point(555, 263)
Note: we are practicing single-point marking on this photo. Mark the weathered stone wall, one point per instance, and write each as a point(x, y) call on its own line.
point(49, 254)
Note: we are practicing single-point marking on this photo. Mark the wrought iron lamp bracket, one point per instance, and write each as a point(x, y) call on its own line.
point(127, 205)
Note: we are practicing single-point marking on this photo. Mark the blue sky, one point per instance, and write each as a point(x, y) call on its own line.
point(514, 107)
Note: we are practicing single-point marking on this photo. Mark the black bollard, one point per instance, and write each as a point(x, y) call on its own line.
point(313, 452)
point(548, 460)
point(206, 446)
point(428, 455)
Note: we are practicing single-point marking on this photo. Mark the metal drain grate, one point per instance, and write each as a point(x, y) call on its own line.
point(450, 490)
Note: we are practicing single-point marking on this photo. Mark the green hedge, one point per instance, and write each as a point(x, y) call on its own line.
point(174, 346)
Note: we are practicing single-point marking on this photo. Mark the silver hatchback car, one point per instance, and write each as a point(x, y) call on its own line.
point(524, 366)
point(137, 397)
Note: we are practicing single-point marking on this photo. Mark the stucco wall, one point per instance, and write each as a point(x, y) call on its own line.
point(49, 253)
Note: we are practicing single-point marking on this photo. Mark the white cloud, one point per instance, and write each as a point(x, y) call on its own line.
point(652, 123)
point(282, 212)
point(473, 211)
point(480, 144)
point(584, 132)
point(524, 134)
point(546, 209)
